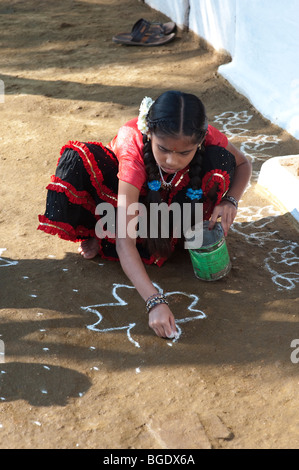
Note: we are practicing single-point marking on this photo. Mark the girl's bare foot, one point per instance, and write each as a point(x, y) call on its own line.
point(89, 248)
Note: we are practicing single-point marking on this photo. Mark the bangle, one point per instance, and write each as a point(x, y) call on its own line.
point(151, 297)
point(154, 300)
point(231, 199)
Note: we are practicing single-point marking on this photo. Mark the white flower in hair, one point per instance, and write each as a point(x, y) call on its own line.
point(145, 105)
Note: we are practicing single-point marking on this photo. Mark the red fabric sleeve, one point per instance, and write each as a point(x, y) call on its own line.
point(215, 137)
point(128, 148)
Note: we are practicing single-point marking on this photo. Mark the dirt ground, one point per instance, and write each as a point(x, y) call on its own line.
point(81, 368)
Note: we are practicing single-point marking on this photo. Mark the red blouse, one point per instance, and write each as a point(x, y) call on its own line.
point(127, 145)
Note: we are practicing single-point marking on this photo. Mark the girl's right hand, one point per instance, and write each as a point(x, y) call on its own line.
point(161, 320)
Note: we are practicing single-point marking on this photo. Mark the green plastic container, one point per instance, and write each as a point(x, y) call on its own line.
point(211, 261)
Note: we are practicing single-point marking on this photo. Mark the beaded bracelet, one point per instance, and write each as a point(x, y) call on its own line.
point(231, 199)
point(153, 300)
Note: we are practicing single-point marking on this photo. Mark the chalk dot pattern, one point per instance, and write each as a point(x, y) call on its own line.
point(282, 261)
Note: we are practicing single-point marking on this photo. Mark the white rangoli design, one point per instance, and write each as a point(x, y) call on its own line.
point(283, 256)
point(5, 262)
point(96, 309)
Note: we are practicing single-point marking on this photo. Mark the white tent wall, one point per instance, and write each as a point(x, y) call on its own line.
point(177, 10)
point(215, 21)
point(262, 37)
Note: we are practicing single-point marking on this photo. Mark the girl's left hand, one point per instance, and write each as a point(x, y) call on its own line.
point(227, 211)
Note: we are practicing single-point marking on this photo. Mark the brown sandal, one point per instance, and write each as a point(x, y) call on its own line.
point(165, 28)
point(145, 33)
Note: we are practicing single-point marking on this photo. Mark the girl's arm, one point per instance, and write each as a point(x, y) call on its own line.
point(242, 172)
point(160, 317)
point(226, 210)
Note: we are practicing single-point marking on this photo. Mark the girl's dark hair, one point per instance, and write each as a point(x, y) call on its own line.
point(174, 113)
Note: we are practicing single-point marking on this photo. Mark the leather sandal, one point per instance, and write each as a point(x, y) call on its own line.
point(165, 28)
point(145, 33)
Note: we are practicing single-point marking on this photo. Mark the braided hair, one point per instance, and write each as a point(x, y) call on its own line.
point(174, 113)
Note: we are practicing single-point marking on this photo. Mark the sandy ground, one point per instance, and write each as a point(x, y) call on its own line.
point(82, 368)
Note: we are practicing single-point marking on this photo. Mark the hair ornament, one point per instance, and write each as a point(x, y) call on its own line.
point(154, 185)
point(145, 105)
point(194, 193)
